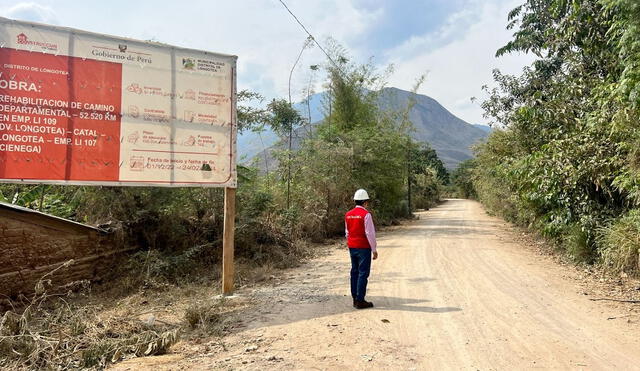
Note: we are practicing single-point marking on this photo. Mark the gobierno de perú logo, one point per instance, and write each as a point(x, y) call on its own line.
point(24, 40)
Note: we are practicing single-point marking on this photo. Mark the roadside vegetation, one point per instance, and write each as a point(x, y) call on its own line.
point(564, 157)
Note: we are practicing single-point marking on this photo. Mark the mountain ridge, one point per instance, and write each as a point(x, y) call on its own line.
point(450, 136)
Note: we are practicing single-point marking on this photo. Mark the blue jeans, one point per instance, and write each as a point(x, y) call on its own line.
point(360, 267)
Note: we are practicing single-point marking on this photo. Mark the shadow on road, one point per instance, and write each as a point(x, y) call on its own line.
point(407, 305)
point(398, 276)
point(331, 305)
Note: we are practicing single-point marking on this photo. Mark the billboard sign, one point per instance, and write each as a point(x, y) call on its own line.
point(84, 108)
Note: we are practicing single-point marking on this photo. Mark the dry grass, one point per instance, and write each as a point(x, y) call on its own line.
point(85, 329)
point(146, 308)
point(620, 244)
point(48, 331)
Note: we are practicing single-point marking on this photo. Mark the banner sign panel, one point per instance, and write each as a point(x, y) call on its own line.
point(84, 108)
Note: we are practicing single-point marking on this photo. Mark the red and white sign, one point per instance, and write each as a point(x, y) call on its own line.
point(82, 108)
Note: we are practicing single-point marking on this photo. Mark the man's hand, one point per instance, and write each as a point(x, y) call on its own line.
point(375, 255)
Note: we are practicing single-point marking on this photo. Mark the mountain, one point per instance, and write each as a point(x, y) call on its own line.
point(486, 128)
point(451, 137)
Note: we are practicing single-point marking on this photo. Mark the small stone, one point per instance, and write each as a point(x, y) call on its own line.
point(251, 348)
point(367, 357)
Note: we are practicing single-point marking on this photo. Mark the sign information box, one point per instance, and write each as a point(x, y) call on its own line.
point(84, 108)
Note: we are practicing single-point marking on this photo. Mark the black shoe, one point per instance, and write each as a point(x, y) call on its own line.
point(363, 304)
point(354, 302)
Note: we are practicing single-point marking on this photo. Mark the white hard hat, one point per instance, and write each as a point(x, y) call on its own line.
point(361, 195)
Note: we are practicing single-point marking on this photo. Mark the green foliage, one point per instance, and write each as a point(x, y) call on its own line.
point(427, 189)
point(284, 118)
point(462, 180)
point(369, 144)
point(423, 157)
point(173, 218)
point(565, 161)
point(250, 116)
point(426, 176)
point(57, 200)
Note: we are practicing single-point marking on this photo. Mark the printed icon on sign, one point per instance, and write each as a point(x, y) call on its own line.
point(189, 116)
point(188, 64)
point(122, 47)
point(136, 163)
point(134, 88)
point(133, 137)
point(191, 141)
point(134, 111)
point(190, 94)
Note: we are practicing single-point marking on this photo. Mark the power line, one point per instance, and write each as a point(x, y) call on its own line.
point(310, 35)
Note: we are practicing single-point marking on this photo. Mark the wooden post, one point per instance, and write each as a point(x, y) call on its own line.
point(228, 240)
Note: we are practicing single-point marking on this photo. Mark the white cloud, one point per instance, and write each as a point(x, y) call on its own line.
point(31, 12)
point(459, 67)
point(262, 33)
point(339, 19)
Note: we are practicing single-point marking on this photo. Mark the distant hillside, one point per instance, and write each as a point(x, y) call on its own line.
point(451, 137)
point(486, 128)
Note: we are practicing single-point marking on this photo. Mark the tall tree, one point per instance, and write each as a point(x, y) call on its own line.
point(569, 122)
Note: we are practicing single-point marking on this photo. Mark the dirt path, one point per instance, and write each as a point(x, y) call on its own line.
point(451, 291)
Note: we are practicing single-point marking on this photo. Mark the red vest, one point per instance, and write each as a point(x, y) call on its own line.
point(354, 220)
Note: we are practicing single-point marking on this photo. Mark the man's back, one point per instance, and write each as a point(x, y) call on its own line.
point(355, 228)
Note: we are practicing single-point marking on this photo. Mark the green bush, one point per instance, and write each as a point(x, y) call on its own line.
point(564, 161)
point(462, 180)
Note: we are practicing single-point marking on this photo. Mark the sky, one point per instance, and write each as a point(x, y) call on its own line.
point(453, 42)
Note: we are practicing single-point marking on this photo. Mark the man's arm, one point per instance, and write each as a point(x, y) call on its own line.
point(346, 232)
point(370, 231)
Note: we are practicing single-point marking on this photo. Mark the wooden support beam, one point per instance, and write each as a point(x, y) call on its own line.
point(228, 240)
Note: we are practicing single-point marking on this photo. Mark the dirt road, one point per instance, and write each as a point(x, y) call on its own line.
point(451, 291)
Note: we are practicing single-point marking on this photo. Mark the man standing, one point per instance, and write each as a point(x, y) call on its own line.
point(361, 240)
